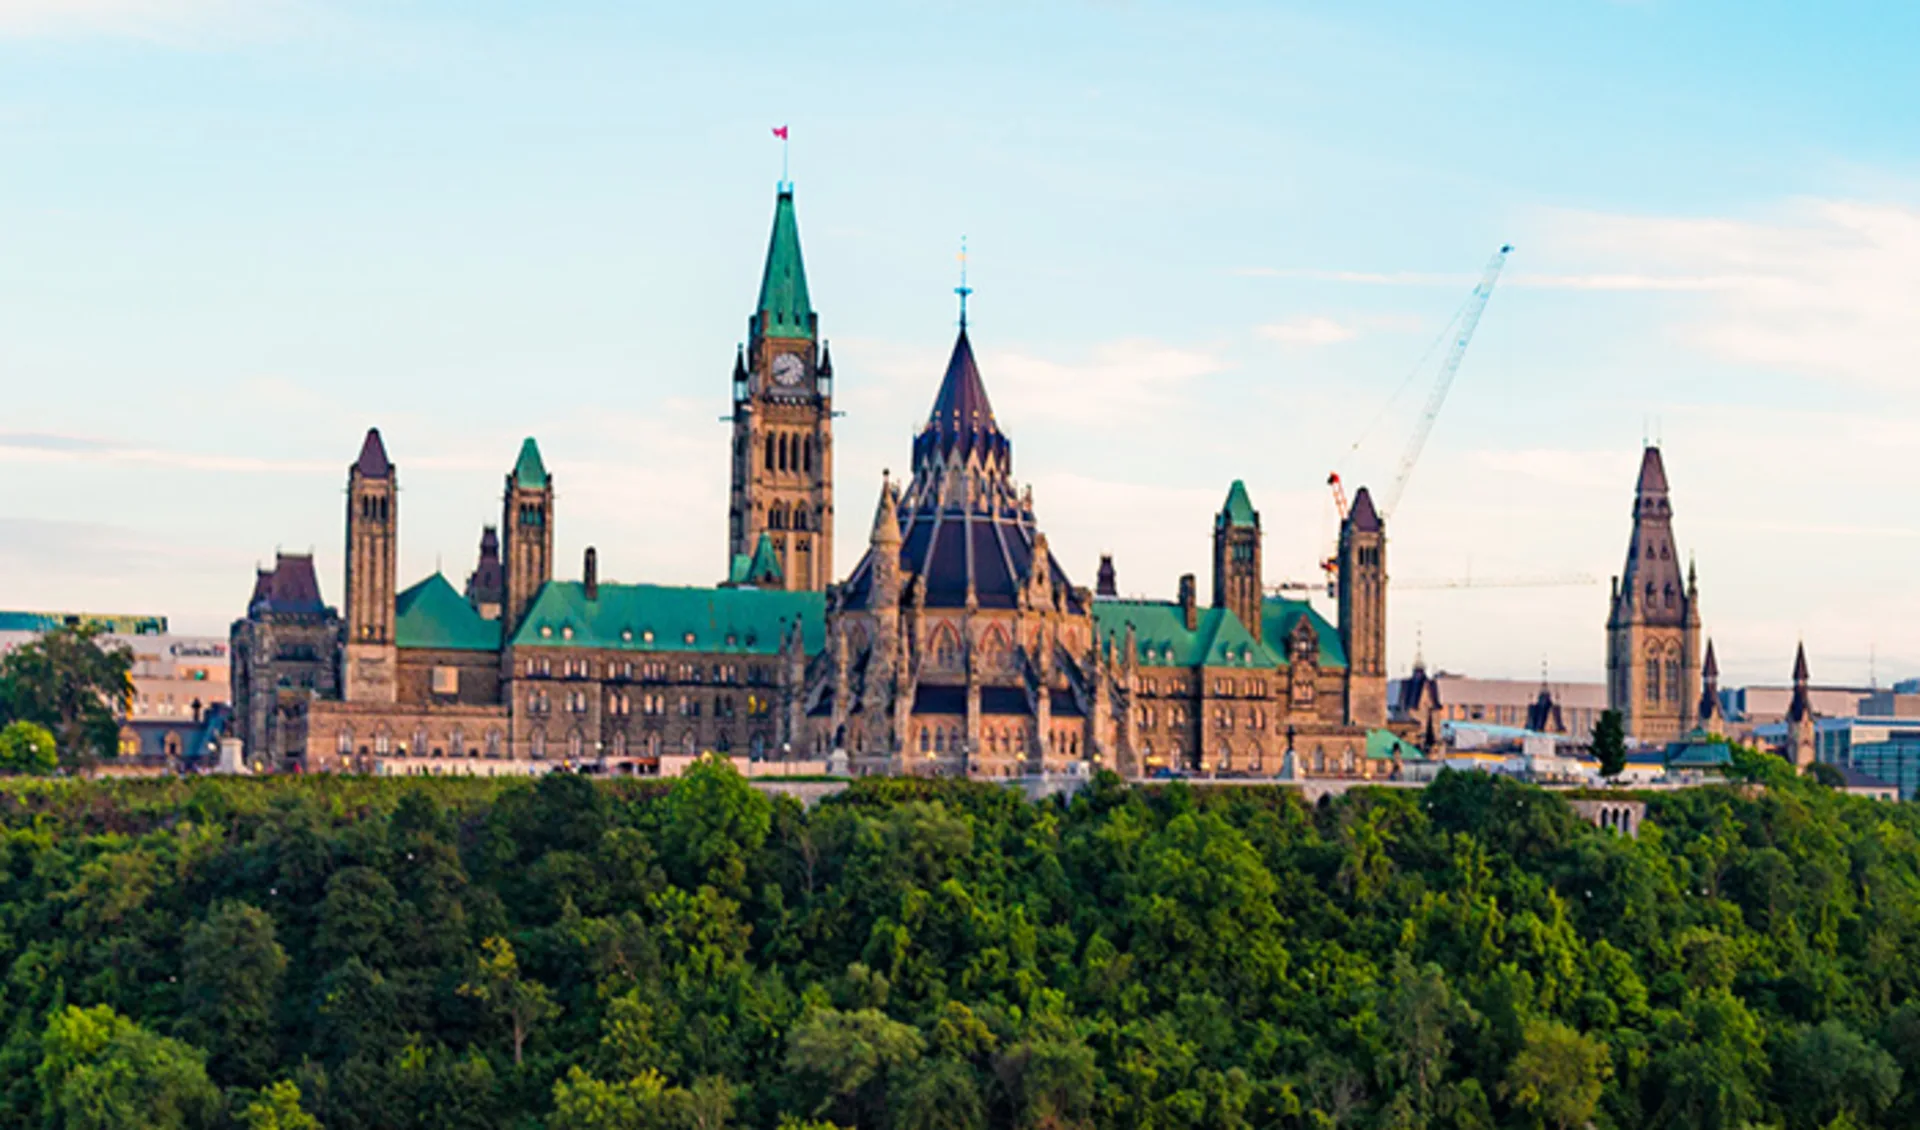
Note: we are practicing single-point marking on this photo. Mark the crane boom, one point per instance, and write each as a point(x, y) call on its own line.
point(1468, 320)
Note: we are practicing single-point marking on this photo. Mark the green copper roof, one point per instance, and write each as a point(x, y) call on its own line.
point(1278, 615)
point(1239, 508)
point(784, 309)
point(738, 567)
point(664, 618)
point(432, 615)
point(1385, 745)
point(528, 469)
point(764, 569)
point(1219, 640)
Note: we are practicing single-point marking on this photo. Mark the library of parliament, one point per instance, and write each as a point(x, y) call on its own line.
point(957, 645)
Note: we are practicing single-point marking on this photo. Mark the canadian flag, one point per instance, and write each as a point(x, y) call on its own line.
point(780, 132)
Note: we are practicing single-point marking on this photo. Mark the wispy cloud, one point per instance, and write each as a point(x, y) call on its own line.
point(1119, 380)
point(1828, 288)
point(1311, 330)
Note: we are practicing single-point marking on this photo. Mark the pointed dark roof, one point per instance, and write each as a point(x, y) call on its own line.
point(784, 310)
point(1801, 708)
point(373, 462)
point(962, 416)
point(825, 368)
point(1653, 473)
point(1710, 668)
point(1238, 509)
point(1362, 514)
point(1800, 664)
point(1107, 583)
point(1652, 588)
point(487, 584)
point(290, 588)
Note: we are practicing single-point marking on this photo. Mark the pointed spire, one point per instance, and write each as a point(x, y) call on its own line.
point(764, 570)
point(1710, 669)
point(1801, 708)
point(373, 462)
point(886, 520)
point(784, 309)
point(962, 416)
point(739, 363)
point(1238, 509)
point(529, 470)
point(1362, 514)
point(1653, 473)
point(826, 361)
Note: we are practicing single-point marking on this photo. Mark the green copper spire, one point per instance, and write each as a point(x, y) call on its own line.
point(1239, 508)
point(765, 567)
point(784, 309)
point(529, 471)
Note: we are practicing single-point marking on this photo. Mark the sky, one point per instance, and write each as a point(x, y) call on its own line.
point(1208, 242)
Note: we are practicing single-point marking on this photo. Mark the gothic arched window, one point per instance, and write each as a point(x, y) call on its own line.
point(769, 455)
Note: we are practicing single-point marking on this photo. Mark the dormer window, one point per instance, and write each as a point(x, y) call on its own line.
point(566, 633)
point(646, 636)
point(546, 631)
point(687, 639)
point(626, 635)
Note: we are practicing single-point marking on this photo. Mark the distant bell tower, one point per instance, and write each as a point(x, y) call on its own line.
point(527, 517)
point(783, 420)
point(373, 537)
point(1653, 628)
point(1236, 559)
point(1363, 611)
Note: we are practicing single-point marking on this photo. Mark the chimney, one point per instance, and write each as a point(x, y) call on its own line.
point(1107, 585)
point(590, 574)
point(1189, 606)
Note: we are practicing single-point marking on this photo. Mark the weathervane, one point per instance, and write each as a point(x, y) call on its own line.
point(963, 289)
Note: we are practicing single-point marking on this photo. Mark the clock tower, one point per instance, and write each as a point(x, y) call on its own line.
point(783, 421)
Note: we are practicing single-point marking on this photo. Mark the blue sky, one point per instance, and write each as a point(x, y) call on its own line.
point(1209, 241)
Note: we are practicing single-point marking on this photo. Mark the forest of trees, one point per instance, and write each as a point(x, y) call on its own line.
point(914, 955)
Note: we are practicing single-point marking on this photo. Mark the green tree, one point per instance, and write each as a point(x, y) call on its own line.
point(1829, 1070)
point(940, 1093)
point(277, 1107)
point(70, 682)
point(1559, 1074)
point(101, 1071)
point(582, 1102)
point(711, 823)
point(1418, 1011)
point(1610, 743)
point(1051, 1081)
point(851, 1055)
point(28, 748)
point(516, 1001)
point(230, 994)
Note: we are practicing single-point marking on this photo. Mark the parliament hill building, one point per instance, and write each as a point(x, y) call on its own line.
point(957, 645)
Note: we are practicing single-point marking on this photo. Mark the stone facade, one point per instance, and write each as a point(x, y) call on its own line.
point(1653, 629)
point(285, 654)
point(958, 645)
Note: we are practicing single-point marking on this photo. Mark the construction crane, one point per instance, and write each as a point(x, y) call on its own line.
point(1331, 584)
point(1466, 321)
point(1569, 580)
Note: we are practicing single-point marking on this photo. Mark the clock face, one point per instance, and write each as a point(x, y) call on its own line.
point(788, 368)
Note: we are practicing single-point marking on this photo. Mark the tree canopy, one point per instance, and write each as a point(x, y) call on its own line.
point(936, 955)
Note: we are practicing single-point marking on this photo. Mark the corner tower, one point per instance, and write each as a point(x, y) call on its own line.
point(783, 420)
point(1236, 559)
point(1363, 610)
point(373, 535)
point(527, 517)
point(1653, 628)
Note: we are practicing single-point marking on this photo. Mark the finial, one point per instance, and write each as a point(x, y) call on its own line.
point(963, 289)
